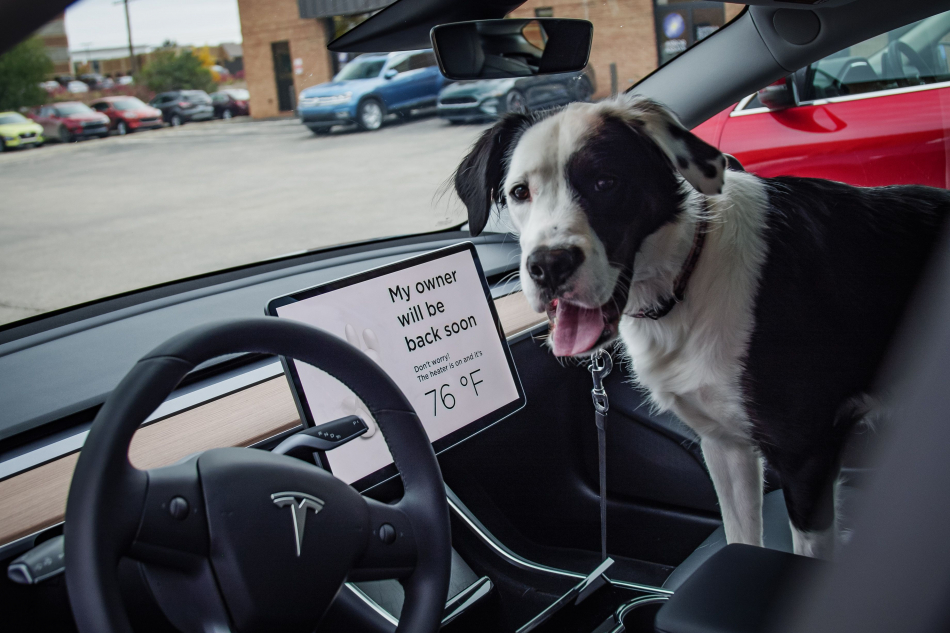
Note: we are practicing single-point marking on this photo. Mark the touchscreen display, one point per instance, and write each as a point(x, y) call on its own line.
point(430, 323)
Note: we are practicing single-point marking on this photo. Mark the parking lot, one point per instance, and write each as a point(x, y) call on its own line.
point(85, 220)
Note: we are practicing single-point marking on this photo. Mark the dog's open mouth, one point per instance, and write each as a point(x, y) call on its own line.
point(576, 330)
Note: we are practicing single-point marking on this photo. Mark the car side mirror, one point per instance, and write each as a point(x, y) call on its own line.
point(779, 95)
point(390, 73)
point(493, 49)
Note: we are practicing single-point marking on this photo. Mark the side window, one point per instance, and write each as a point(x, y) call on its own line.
point(913, 55)
point(100, 107)
point(422, 60)
point(402, 66)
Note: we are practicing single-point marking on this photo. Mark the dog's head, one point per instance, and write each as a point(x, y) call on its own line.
point(585, 186)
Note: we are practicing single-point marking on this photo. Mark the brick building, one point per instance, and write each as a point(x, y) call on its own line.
point(285, 40)
point(56, 43)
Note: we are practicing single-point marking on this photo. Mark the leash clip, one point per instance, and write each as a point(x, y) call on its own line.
point(600, 367)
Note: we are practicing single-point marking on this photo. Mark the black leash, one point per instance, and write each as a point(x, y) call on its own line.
point(600, 365)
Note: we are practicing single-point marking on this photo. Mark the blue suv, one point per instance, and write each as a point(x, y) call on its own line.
point(371, 86)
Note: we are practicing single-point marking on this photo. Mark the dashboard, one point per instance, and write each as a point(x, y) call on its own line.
point(60, 375)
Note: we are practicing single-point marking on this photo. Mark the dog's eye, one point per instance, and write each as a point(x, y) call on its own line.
point(604, 183)
point(520, 193)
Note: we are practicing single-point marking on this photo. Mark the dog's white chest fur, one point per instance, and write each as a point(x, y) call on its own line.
point(690, 360)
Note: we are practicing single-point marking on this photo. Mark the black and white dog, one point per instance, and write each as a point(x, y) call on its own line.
point(756, 309)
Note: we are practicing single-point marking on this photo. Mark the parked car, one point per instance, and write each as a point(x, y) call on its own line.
point(182, 106)
point(127, 114)
point(370, 87)
point(230, 102)
point(70, 121)
point(95, 81)
point(844, 117)
point(481, 99)
point(18, 131)
point(75, 86)
point(125, 80)
point(50, 86)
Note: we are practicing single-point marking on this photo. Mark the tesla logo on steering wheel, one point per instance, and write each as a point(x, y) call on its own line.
point(299, 504)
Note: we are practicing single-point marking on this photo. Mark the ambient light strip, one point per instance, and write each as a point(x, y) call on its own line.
point(36, 499)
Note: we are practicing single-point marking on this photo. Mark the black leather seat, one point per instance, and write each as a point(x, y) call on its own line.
point(777, 533)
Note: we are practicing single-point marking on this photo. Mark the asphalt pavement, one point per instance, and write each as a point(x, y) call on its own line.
point(85, 220)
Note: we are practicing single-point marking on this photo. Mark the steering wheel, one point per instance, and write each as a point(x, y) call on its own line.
point(896, 62)
point(244, 538)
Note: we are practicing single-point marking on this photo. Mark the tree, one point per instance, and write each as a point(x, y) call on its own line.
point(22, 68)
point(168, 71)
point(204, 56)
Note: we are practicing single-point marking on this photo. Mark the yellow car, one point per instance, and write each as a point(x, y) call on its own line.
point(18, 131)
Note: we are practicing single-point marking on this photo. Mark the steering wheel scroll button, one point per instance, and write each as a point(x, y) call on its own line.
point(387, 533)
point(179, 508)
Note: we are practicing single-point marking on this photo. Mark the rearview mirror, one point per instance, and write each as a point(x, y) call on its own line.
point(494, 49)
point(390, 73)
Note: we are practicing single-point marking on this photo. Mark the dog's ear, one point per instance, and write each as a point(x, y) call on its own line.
point(702, 165)
point(480, 177)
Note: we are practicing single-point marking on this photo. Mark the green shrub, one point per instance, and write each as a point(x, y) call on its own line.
point(22, 68)
point(168, 71)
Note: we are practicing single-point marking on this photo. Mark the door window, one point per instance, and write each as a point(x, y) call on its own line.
point(403, 66)
point(422, 60)
point(911, 56)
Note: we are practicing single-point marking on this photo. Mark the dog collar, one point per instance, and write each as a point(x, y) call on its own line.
point(669, 302)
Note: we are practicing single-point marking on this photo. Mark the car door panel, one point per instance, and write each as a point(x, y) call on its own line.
point(867, 141)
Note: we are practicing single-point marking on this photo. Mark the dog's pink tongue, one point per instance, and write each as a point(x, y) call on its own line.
point(577, 329)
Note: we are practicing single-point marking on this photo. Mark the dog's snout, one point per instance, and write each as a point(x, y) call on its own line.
point(551, 267)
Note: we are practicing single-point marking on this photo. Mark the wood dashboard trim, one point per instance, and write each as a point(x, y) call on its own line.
point(36, 499)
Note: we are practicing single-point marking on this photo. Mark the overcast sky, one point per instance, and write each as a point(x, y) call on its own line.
point(101, 23)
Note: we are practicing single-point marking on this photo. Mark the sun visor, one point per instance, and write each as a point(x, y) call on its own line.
point(405, 24)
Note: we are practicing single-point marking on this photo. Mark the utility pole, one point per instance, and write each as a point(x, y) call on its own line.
point(128, 28)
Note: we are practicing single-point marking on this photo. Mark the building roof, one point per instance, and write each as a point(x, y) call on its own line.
point(84, 55)
point(329, 8)
point(233, 50)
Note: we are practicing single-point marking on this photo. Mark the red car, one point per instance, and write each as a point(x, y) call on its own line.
point(127, 114)
point(70, 121)
point(845, 117)
point(230, 102)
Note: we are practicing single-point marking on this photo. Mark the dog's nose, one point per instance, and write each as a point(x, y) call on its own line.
point(551, 267)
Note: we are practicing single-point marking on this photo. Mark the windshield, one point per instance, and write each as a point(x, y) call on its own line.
point(128, 104)
point(72, 108)
point(138, 201)
point(361, 69)
point(6, 119)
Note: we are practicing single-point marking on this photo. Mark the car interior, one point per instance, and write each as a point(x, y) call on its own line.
point(146, 438)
